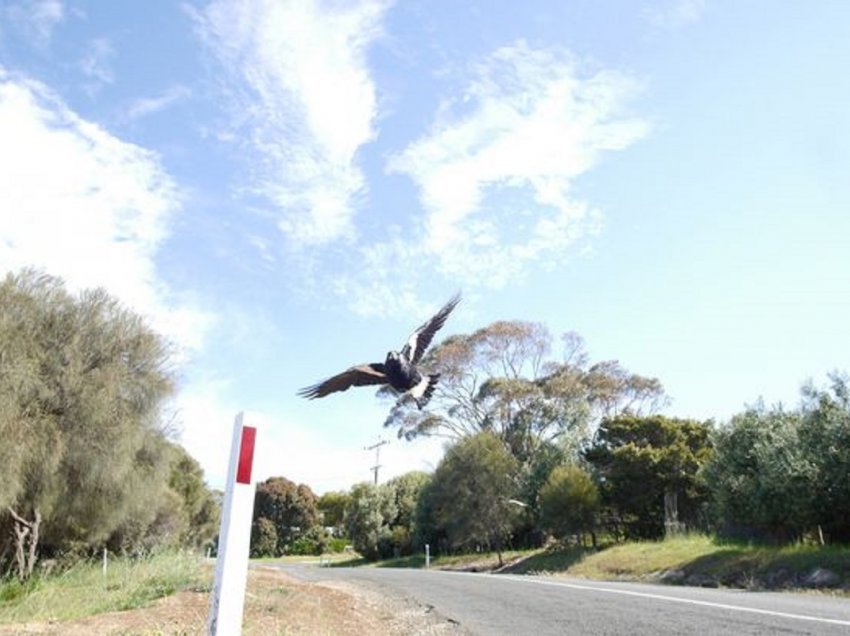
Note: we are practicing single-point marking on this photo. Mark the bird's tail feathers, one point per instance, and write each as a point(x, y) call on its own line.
point(428, 385)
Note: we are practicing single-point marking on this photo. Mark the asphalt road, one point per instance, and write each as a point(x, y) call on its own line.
point(510, 604)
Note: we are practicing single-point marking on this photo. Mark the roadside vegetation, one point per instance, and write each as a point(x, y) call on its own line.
point(700, 559)
point(86, 459)
point(555, 463)
point(82, 589)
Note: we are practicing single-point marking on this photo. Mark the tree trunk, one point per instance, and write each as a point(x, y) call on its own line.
point(26, 543)
point(672, 527)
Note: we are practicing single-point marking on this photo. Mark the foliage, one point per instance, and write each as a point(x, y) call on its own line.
point(366, 519)
point(569, 502)
point(337, 544)
point(380, 520)
point(83, 382)
point(825, 437)
point(532, 476)
point(760, 478)
point(312, 542)
point(332, 507)
point(470, 495)
point(200, 510)
point(291, 509)
point(263, 538)
point(498, 379)
point(639, 460)
point(405, 491)
point(779, 475)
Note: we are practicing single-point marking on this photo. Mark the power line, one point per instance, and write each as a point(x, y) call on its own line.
point(377, 448)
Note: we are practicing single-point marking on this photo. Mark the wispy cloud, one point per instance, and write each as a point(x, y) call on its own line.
point(150, 105)
point(304, 99)
point(96, 63)
point(496, 169)
point(676, 13)
point(387, 279)
point(37, 18)
point(84, 205)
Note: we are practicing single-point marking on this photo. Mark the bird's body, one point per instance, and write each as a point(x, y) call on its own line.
point(399, 370)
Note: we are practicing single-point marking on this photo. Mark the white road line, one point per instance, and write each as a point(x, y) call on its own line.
point(661, 597)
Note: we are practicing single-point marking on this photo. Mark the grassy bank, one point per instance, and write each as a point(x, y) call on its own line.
point(696, 559)
point(83, 590)
point(740, 565)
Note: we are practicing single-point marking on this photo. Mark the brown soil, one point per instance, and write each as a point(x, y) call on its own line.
point(274, 604)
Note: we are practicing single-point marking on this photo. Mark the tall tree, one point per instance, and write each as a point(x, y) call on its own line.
point(82, 384)
point(367, 518)
point(498, 379)
point(198, 510)
point(405, 491)
point(825, 437)
point(291, 508)
point(332, 507)
point(643, 463)
point(472, 493)
point(569, 503)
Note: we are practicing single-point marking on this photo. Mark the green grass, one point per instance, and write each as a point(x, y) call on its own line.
point(305, 558)
point(476, 560)
point(729, 563)
point(82, 590)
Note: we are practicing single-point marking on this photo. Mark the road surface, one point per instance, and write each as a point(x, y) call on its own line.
point(512, 604)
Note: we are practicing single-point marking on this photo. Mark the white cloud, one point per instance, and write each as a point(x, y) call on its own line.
point(86, 206)
point(679, 13)
point(150, 105)
point(386, 280)
point(495, 171)
point(304, 99)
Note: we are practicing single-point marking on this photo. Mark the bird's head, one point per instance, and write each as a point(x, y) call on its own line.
point(392, 355)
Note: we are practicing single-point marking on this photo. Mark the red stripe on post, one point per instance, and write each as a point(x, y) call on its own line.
point(246, 455)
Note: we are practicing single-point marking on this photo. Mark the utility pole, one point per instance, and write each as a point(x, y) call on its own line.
point(377, 448)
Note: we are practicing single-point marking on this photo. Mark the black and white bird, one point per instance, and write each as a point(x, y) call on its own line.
point(399, 370)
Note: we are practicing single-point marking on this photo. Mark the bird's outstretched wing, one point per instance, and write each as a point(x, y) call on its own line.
point(360, 375)
point(421, 338)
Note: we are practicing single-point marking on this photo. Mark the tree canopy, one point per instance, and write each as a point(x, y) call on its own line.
point(290, 509)
point(640, 460)
point(499, 379)
point(472, 493)
point(569, 503)
point(83, 383)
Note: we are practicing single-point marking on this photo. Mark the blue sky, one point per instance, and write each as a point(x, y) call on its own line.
point(288, 188)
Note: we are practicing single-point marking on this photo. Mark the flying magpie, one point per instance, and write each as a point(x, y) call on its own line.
point(398, 370)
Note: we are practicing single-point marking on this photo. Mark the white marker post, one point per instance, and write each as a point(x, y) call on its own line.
point(234, 537)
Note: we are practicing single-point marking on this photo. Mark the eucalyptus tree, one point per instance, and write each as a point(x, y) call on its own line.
point(499, 379)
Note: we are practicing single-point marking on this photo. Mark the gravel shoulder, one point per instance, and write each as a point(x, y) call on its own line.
point(275, 603)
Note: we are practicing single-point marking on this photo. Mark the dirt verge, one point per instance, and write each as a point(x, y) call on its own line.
point(274, 604)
